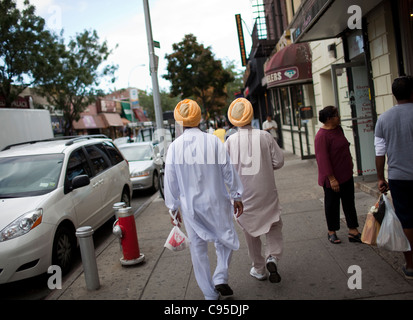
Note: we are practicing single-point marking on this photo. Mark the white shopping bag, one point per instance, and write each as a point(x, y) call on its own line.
point(391, 235)
point(177, 240)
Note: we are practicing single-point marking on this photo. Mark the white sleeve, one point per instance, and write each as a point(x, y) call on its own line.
point(380, 146)
point(171, 188)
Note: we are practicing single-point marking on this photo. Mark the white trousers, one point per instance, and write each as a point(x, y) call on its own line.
point(202, 270)
point(274, 246)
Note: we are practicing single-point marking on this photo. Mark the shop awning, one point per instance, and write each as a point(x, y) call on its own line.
point(290, 65)
point(112, 119)
point(324, 19)
point(89, 122)
point(140, 115)
point(127, 110)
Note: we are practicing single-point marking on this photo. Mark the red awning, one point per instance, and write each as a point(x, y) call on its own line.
point(140, 115)
point(291, 65)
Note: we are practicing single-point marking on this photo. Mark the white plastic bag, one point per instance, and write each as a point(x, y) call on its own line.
point(391, 235)
point(177, 240)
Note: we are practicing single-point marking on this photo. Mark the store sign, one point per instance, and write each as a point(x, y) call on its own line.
point(282, 75)
point(306, 112)
point(241, 40)
point(19, 103)
point(106, 106)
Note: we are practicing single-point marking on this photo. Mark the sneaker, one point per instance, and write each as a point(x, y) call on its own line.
point(408, 273)
point(257, 275)
point(272, 268)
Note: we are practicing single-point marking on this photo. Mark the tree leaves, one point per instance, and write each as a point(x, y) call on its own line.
point(194, 72)
point(30, 55)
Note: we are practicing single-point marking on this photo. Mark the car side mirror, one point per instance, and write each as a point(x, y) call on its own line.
point(80, 181)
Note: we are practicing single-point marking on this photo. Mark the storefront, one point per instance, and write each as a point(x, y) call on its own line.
point(288, 75)
point(355, 60)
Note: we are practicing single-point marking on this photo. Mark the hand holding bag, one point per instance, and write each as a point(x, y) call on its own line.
point(177, 240)
point(380, 209)
point(391, 235)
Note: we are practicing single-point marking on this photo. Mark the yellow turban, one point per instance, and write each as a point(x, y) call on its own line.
point(188, 113)
point(240, 112)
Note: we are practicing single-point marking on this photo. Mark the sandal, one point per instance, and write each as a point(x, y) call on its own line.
point(354, 237)
point(333, 238)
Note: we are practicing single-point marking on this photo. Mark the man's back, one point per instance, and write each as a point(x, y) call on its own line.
point(395, 126)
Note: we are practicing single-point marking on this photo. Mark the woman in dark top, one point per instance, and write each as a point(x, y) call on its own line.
point(335, 175)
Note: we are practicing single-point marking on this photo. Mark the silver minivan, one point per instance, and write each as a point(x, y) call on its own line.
point(50, 188)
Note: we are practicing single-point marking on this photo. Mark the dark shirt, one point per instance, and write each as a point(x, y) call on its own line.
point(332, 151)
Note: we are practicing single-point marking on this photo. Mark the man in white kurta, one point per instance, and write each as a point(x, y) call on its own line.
point(255, 154)
point(200, 181)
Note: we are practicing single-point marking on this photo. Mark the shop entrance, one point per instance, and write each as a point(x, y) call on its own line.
point(353, 99)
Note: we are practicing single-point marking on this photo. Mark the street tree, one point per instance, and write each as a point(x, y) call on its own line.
point(168, 103)
point(73, 83)
point(195, 73)
point(25, 48)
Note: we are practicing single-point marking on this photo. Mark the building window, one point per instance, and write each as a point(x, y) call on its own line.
point(289, 100)
point(297, 100)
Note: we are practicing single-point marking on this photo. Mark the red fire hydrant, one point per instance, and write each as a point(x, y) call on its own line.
point(125, 229)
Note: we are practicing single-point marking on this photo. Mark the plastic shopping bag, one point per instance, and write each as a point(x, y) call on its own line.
point(177, 240)
point(391, 235)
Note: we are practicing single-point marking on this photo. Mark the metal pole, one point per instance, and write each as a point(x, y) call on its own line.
point(87, 252)
point(117, 206)
point(153, 68)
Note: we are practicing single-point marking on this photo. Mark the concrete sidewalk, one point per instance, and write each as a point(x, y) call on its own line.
point(312, 268)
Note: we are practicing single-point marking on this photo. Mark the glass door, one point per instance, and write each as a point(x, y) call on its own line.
point(353, 99)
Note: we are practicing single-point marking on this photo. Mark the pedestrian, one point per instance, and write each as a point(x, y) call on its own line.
point(335, 175)
point(220, 131)
point(200, 181)
point(231, 130)
point(394, 138)
point(262, 208)
point(270, 126)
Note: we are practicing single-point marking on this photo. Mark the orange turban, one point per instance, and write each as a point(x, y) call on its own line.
point(240, 112)
point(188, 113)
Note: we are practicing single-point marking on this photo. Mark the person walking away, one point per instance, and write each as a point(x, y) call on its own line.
point(335, 175)
point(262, 210)
point(200, 181)
point(394, 138)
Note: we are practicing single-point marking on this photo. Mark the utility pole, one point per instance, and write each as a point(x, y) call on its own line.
point(153, 61)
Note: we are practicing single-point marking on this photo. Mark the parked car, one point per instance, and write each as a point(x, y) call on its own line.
point(144, 164)
point(47, 190)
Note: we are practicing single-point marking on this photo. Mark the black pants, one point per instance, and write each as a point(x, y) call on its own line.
point(332, 206)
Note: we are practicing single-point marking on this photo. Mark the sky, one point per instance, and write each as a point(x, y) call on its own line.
point(122, 23)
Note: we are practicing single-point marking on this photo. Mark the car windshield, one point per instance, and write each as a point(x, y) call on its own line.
point(137, 153)
point(27, 176)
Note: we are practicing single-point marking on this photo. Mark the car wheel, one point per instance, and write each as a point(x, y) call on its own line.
point(64, 246)
point(125, 197)
point(155, 182)
point(160, 183)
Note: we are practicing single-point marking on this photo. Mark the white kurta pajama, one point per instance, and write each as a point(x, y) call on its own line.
point(256, 155)
point(200, 180)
